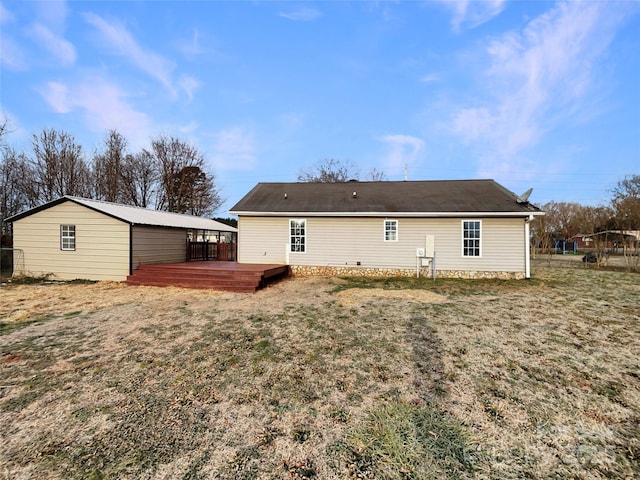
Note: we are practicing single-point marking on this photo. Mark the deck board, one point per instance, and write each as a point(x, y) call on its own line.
point(233, 276)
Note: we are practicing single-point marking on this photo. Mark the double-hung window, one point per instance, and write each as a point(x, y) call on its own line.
point(471, 238)
point(67, 237)
point(298, 234)
point(391, 230)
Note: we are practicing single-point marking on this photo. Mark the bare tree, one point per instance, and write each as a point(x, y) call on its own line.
point(185, 183)
point(375, 175)
point(595, 223)
point(193, 191)
point(626, 202)
point(108, 168)
point(140, 185)
point(58, 165)
point(328, 171)
point(543, 232)
point(626, 205)
point(561, 219)
point(4, 131)
point(12, 199)
point(14, 184)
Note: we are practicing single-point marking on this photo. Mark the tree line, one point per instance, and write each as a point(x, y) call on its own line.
point(331, 170)
point(170, 175)
point(605, 224)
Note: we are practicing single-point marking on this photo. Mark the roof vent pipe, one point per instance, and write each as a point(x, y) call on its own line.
point(355, 194)
point(285, 196)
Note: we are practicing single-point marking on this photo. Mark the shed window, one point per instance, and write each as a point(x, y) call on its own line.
point(68, 237)
point(471, 238)
point(298, 235)
point(391, 230)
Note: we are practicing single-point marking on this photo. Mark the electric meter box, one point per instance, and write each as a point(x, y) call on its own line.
point(430, 246)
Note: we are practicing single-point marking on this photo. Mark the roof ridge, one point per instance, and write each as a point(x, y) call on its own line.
point(125, 205)
point(348, 182)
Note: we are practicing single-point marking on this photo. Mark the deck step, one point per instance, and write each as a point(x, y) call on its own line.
point(188, 284)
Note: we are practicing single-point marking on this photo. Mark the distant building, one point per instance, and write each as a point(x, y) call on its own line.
point(77, 238)
point(609, 239)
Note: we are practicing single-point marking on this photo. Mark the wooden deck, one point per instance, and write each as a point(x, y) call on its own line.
point(230, 276)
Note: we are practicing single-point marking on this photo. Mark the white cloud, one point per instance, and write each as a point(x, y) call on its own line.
point(290, 122)
point(189, 85)
point(57, 96)
point(192, 48)
point(234, 149)
point(430, 78)
point(402, 150)
point(301, 14)
point(46, 32)
point(62, 49)
point(52, 13)
point(5, 15)
point(188, 128)
point(15, 131)
point(120, 40)
point(472, 13)
point(13, 56)
point(103, 104)
point(522, 172)
point(537, 79)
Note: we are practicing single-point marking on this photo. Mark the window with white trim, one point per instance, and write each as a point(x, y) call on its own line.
point(391, 230)
point(471, 238)
point(298, 234)
point(67, 237)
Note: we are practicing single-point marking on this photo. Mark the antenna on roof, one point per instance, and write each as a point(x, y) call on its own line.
point(524, 198)
point(406, 172)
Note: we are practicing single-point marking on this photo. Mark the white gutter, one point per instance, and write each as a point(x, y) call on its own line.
point(387, 214)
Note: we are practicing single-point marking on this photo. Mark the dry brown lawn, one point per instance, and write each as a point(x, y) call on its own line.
point(324, 378)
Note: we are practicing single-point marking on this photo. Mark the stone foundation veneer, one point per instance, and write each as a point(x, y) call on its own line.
point(351, 271)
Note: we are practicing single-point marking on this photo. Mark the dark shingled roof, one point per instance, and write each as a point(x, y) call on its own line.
point(438, 197)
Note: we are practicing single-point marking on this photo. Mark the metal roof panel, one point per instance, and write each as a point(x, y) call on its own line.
point(137, 215)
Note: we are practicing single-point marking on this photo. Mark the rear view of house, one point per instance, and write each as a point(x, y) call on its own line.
point(77, 238)
point(461, 228)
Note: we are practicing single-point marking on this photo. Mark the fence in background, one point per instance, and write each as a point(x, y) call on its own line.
point(10, 261)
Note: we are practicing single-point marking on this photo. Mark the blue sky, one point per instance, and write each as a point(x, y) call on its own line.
point(532, 94)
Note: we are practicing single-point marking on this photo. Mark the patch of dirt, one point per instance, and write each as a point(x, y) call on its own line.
point(359, 296)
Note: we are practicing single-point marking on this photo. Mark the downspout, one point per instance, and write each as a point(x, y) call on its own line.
point(527, 248)
point(130, 249)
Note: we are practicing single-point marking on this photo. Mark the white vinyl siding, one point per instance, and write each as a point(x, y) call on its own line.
point(158, 245)
point(344, 241)
point(263, 239)
point(101, 244)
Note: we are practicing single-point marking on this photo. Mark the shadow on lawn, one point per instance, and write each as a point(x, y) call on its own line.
point(429, 368)
point(419, 439)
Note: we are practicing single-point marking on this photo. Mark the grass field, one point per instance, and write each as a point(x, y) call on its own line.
point(324, 378)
